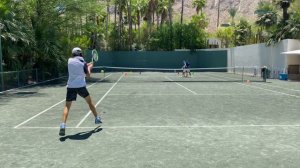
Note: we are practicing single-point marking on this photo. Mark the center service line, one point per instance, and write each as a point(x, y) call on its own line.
point(182, 86)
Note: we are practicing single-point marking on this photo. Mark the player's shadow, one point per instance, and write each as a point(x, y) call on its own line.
point(81, 135)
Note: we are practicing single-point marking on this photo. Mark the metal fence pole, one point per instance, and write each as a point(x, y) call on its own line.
point(1, 67)
point(36, 78)
point(18, 74)
point(243, 74)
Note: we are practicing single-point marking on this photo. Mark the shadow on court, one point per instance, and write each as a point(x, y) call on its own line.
point(81, 135)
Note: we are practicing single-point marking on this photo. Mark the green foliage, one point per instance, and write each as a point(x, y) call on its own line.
point(16, 36)
point(242, 33)
point(287, 25)
point(226, 36)
point(291, 29)
point(190, 36)
point(200, 21)
point(41, 33)
point(266, 14)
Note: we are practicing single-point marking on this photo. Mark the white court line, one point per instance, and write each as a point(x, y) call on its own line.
point(271, 90)
point(193, 94)
point(255, 86)
point(172, 126)
point(181, 85)
point(52, 106)
point(279, 87)
point(39, 114)
point(99, 101)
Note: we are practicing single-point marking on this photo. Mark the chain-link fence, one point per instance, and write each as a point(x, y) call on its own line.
point(15, 79)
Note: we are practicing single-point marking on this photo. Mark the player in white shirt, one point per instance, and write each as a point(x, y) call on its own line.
point(78, 69)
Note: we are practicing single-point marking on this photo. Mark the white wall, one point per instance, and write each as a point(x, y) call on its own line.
point(293, 59)
point(261, 55)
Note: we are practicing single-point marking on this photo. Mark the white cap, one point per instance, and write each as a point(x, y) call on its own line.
point(76, 50)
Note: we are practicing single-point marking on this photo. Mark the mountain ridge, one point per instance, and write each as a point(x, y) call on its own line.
point(245, 9)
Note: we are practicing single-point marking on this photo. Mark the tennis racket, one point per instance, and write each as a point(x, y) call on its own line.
point(95, 56)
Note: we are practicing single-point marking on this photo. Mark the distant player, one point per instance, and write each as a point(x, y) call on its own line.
point(264, 70)
point(78, 70)
point(185, 69)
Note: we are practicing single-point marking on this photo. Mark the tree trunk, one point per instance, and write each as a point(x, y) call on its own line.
point(285, 14)
point(218, 14)
point(107, 22)
point(182, 6)
point(115, 12)
point(139, 25)
point(181, 21)
point(130, 26)
point(120, 27)
point(171, 25)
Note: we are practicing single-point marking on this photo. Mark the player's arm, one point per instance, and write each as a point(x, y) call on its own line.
point(87, 69)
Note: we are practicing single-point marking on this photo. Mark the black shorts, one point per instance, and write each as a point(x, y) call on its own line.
point(72, 93)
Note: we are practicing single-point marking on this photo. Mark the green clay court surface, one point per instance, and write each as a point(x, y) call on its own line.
point(171, 123)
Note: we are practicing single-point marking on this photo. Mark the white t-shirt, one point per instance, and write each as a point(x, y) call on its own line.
point(76, 68)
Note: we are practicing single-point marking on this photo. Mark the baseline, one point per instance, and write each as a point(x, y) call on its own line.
point(174, 126)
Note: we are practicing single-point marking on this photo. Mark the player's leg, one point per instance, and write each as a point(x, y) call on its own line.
point(92, 107)
point(71, 96)
point(64, 118)
point(83, 92)
point(66, 111)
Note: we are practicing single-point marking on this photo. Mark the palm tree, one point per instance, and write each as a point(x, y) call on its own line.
point(139, 7)
point(199, 5)
point(242, 32)
point(107, 21)
point(130, 25)
point(16, 37)
point(218, 13)
point(286, 30)
point(284, 5)
point(163, 10)
point(170, 9)
point(266, 14)
point(121, 8)
point(149, 16)
point(232, 12)
point(182, 6)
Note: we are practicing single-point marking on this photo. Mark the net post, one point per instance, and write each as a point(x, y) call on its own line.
point(243, 73)
point(36, 75)
point(265, 74)
point(18, 74)
point(2, 81)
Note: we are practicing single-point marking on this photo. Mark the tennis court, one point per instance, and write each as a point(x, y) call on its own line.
point(155, 119)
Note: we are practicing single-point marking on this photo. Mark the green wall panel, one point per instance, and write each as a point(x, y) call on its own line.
point(162, 59)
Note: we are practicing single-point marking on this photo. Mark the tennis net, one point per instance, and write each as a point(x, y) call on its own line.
point(218, 74)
